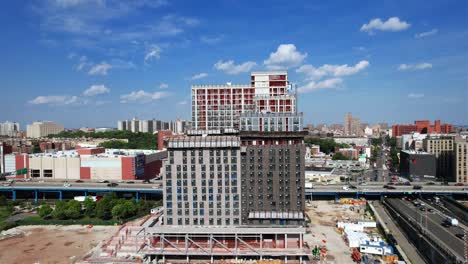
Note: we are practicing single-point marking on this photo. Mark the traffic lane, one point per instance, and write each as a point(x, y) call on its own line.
point(89, 186)
point(431, 226)
point(444, 214)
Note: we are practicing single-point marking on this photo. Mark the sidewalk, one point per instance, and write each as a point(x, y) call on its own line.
point(404, 245)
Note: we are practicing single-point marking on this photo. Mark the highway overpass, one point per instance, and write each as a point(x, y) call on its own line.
point(57, 190)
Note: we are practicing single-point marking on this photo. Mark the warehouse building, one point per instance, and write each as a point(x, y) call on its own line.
point(88, 164)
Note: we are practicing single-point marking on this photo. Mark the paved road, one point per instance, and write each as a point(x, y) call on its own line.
point(404, 244)
point(431, 222)
point(317, 188)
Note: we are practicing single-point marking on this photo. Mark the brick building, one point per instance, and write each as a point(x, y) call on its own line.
point(423, 127)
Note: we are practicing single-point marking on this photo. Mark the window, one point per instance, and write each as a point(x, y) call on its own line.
point(35, 173)
point(48, 173)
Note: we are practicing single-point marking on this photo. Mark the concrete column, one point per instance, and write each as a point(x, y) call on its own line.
point(136, 197)
point(13, 195)
point(60, 195)
point(35, 196)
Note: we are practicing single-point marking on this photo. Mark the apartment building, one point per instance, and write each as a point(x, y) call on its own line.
point(43, 129)
point(442, 147)
point(461, 157)
point(272, 178)
point(9, 129)
point(201, 181)
point(219, 106)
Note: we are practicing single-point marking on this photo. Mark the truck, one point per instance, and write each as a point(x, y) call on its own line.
point(450, 222)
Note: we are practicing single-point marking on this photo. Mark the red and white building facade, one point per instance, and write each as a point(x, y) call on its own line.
point(88, 164)
point(217, 107)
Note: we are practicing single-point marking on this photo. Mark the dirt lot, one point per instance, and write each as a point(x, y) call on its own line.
point(51, 244)
point(323, 229)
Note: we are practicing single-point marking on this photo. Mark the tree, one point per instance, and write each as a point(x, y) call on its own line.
point(339, 156)
point(90, 207)
point(119, 211)
point(45, 210)
point(73, 210)
point(60, 210)
point(104, 208)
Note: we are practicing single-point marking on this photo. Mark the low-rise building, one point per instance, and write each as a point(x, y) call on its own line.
point(88, 164)
point(417, 165)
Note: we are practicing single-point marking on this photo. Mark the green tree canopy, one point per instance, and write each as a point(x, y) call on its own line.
point(339, 156)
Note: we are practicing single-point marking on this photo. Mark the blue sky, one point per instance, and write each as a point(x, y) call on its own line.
point(92, 62)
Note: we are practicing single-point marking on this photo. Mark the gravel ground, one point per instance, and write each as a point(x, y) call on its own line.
point(323, 220)
point(51, 244)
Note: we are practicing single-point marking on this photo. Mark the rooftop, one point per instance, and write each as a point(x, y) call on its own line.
point(108, 153)
point(416, 152)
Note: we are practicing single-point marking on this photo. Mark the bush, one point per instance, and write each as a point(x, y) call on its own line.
point(45, 210)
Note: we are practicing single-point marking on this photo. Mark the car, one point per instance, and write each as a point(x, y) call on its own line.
point(460, 236)
point(112, 184)
point(430, 183)
point(79, 181)
point(459, 184)
point(66, 184)
point(423, 209)
point(146, 181)
point(391, 240)
point(7, 184)
point(445, 224)
point(417, 187)
point(103, 181)
point(430, 210)
point(155, 187)
point(130, 182)
point(352, 186)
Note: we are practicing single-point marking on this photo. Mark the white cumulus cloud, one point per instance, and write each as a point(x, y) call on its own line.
point(325, 84)
point(230, 67)
point(415, 95)
point(392, 24)
point(286, 56)
point(184, 102)
point(414, 67)
point(54, 100)
point(96, 90)
point(313, 73)
point(200, 76)
point(100, 69)
point(426, 34)
point(142, 96)
point(163, 86)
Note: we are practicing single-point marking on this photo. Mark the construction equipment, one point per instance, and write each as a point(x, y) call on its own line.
point(356, 255)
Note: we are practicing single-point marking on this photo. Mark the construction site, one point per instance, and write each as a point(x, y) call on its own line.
point(174, 244)
point(336, 232)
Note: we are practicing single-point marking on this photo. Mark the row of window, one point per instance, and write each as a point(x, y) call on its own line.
point(211, 212)
point(201, 221)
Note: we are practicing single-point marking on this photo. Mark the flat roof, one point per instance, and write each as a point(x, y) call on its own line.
point(107, 154)
point(224, 230)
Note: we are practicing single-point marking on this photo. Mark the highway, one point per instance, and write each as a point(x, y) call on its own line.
point(432, 224)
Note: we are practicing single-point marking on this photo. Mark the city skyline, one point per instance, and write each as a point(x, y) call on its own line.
point(100, 61)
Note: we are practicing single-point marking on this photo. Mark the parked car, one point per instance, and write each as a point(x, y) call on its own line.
point(146, 181)
point(66, 184)
point(460, 236)
point(430, 183)
point(112, 184)
point(417, 187)
point(391, 240)
point(103, 181)
point(79, 181)
point(130, 182)
point(459, 184)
